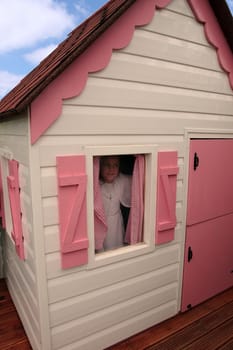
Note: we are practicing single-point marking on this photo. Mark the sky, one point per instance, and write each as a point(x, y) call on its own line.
point(31, 29)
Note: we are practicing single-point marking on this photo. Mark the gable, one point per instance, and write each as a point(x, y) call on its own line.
point(46, 106)
point(204, 13)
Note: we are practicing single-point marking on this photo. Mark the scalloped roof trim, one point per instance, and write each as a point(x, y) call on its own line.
point(47, 107)
point(214, 35)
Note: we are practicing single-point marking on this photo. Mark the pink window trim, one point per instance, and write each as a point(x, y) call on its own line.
point(14, 197)
point(214, 34)
point(166, 197)
point(72, 181)
point(134, 228)
point(46, 108)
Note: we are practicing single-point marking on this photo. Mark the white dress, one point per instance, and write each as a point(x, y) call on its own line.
point(113, 194)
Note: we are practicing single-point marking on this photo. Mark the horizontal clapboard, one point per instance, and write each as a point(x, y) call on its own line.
point(85, 281)
point(108, 317)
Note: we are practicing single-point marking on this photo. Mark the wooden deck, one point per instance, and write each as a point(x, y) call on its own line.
point(208, 326)
point(12, 335)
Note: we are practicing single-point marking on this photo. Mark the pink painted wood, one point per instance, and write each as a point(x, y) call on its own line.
point(210, 191)
point(72, 182)
point(214, 34)
point(210, 271)
point(2, 211)
point(46, 108)
point(134, 230)
point(14, 197)
point(208, 265)
point(166, 197)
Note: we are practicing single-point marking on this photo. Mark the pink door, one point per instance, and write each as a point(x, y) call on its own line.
point(208, 265)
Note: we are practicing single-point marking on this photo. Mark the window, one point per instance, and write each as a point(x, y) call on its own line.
point(118, 200)
point(129, 181)
point(122, 200)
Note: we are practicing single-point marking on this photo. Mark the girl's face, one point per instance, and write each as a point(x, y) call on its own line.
point(109, 168)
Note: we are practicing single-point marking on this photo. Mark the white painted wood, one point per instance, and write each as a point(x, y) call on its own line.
point(148, 96)
point(48, 182)
point(166, 80)
point(49, 186)
point(125, 329)
point(21, 275)
point(50, 211)
point(181, 7)
point(37, 212)
point(21, 292)
point(52, 244)
point(158, 46)
point(113, 122)
point(137, 69)
point(51, 239)
point(17, 144)
point(177, 26)
point(87, 303)
point(48, 152)
point(31, 329)
point(88, 280)
point(17, 126)
point(78, 329)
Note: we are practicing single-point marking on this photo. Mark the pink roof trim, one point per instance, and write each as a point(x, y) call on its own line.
point(46, 108)
point(63, 74)
point(214, 34)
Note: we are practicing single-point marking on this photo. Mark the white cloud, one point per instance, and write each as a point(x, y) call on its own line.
point(25, 23)
point(83, 9)
point(39, 54)
point(7, 81)
point(230, 4)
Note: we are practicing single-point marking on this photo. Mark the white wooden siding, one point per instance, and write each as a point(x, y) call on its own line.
point(81, 304)
point(111, 316)
point(21, 275)
point(166, 80)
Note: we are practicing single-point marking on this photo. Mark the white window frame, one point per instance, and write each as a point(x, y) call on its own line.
point(148, 244)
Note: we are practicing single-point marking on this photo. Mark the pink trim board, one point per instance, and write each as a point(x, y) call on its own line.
point(46, 108)
point(214, 35)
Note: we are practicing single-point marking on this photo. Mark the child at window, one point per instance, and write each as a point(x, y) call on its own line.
point(115, 188)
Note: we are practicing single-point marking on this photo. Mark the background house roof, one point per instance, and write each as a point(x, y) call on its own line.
point(65, 53)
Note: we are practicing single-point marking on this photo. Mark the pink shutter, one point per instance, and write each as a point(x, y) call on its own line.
point(72, 182)
point(166, 196)
point(14, 196)
point(2, 212)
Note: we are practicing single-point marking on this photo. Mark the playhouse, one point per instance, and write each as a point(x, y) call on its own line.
point(150, 81)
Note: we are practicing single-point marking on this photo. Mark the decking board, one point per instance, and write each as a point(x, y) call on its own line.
point(208, 326)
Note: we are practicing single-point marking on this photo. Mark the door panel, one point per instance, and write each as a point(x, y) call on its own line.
point(208, 265)
point(210, 192)
point(210, 269)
